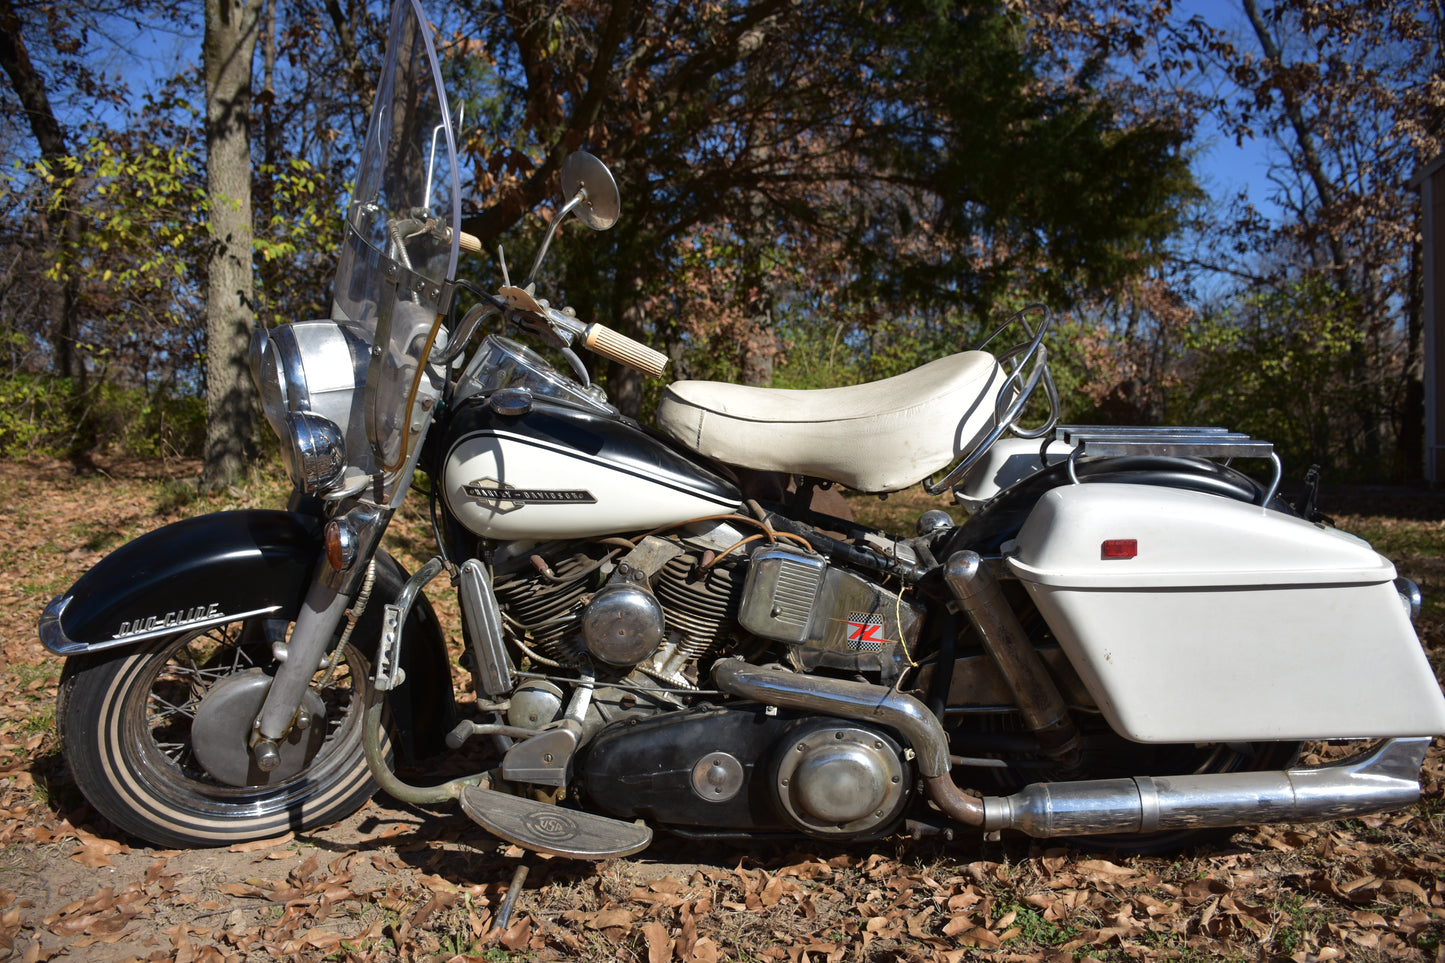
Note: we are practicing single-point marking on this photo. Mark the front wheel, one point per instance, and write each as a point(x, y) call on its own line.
point(156, 738)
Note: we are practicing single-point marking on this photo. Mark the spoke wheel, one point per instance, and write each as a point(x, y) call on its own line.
point(132, 722)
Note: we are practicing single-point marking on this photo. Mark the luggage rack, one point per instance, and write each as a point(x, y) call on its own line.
point(1165, 441)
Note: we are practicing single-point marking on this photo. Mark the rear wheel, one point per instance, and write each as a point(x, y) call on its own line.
point(156, 737)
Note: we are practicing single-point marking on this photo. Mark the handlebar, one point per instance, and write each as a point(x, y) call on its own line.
point(598, 338)
point(468, 242)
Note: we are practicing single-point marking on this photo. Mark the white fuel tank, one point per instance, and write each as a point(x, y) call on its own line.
point(555, 471)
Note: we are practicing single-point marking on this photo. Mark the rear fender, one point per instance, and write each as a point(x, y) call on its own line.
point(1001, 518)
point(226, 566)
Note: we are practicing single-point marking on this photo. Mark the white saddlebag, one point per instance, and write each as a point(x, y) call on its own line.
point(1227, 622)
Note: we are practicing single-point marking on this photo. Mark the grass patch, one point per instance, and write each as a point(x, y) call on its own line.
point(1034, 928)
point(176, 495)
point(25, 675)
point(1300, 923)
point(41, 723)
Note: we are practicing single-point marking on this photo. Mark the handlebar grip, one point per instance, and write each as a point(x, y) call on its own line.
point(468, 242)
point(619, 347)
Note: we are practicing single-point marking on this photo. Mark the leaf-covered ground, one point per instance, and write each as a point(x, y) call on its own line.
point(397, 882)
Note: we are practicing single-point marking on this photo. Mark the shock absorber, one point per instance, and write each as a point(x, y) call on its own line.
point(1039, 701)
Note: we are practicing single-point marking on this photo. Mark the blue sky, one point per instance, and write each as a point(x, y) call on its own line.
point(1223, 167)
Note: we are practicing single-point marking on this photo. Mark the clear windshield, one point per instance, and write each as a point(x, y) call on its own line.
point(400, 253)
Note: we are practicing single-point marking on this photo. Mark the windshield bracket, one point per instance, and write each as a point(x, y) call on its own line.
point(423, 287)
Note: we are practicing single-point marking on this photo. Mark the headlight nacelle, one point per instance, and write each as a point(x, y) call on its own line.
point(310, 375)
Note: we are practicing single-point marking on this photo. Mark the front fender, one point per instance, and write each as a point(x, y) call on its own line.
point(195, 573)
point(219, 568)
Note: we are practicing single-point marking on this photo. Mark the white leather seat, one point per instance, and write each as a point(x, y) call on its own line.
point(875, 437)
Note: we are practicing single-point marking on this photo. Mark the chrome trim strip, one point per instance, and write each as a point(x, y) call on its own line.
point(53, 637)
point(618, 467)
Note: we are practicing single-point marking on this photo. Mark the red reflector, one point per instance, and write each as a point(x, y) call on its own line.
point(1119, 548)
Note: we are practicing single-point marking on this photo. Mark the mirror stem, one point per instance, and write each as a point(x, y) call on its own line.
point(557, 219)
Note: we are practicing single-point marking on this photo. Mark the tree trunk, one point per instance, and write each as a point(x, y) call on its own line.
point(1410, 458)
point(61, 294)
point(227, 52)
point(61, 223)
point(760, 341)
point(759, 347)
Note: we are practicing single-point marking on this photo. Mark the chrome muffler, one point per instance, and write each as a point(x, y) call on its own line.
point(1385, 777)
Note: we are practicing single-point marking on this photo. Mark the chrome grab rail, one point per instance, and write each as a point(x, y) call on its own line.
point(1013, 394)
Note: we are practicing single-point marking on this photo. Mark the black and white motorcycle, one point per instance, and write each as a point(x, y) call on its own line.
point(1128, 639)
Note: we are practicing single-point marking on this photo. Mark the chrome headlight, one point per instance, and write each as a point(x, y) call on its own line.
point(314, 450)
point(310, 375)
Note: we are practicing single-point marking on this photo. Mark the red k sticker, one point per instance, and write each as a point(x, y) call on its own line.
point(865, 632)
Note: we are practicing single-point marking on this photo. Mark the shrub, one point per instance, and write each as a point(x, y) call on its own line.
point(41, 415)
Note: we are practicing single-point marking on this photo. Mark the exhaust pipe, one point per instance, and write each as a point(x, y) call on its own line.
point(1383, 778)
point(774, 685)
point(1038, 699)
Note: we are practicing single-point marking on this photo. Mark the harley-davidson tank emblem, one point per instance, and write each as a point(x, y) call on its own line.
point(505, 498)
point(196, 613)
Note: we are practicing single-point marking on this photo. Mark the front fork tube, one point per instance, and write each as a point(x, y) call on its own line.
point(321, 614)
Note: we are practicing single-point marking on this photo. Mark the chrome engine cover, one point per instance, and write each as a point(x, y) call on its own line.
point(623, 624)
point(841, 780)
point(827, 615)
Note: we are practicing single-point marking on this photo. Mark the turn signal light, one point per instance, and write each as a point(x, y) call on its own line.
point(1119, 548)
point(340, 543)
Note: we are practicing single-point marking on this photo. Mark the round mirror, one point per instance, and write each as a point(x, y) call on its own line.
point(599, 209)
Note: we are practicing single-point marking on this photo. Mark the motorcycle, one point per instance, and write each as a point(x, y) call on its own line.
point(1126, 642)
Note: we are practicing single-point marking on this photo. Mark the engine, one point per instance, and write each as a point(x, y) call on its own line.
point(666, 608)
point(581, 606)
point(629, 631)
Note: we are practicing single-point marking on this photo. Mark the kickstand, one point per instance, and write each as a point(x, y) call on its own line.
point(514, 889)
